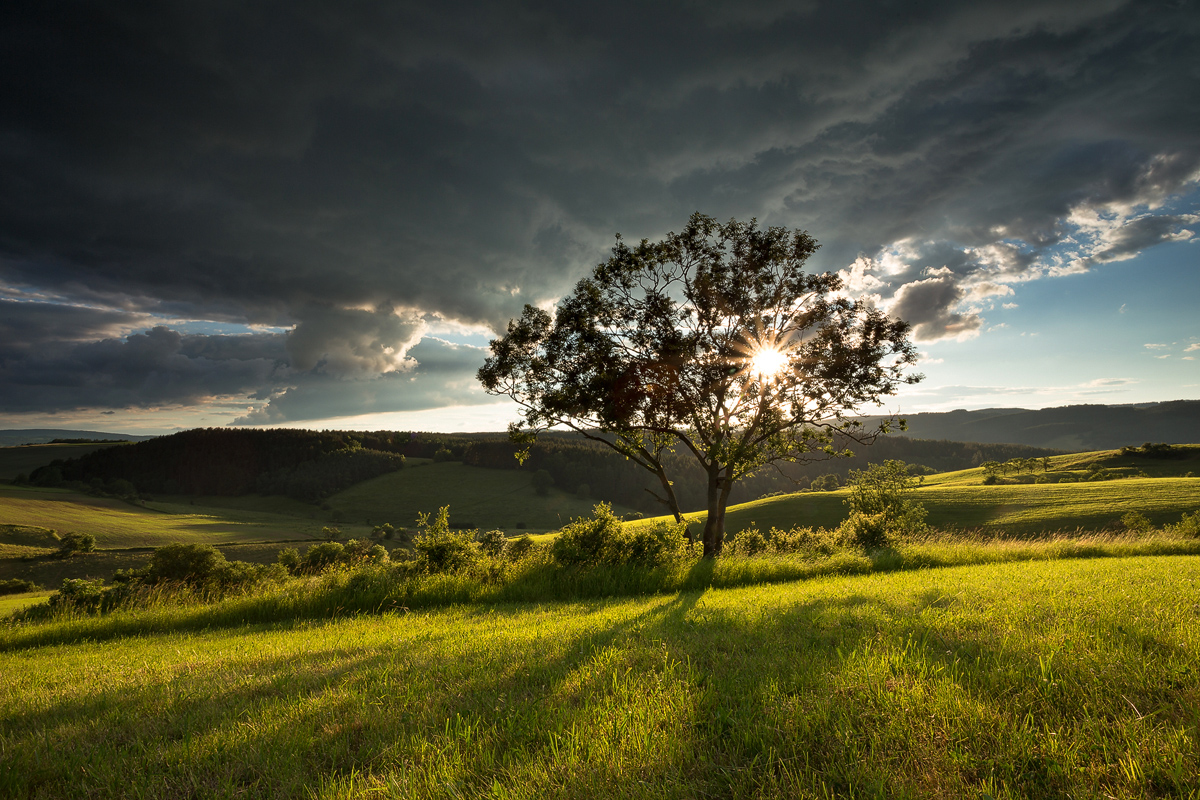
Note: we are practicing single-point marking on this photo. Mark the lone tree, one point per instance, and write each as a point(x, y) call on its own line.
point(714, 340)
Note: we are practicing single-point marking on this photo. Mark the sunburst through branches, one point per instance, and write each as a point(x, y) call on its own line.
point(767, 361)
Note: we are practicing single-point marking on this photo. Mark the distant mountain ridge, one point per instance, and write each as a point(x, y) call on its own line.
point(14, 437)
point(1081, 427)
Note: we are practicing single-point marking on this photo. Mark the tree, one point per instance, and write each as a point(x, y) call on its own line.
point(713, 340)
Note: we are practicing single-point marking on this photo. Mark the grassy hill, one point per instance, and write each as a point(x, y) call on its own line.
point(117, 524)
point(477, 497)
point(1018, 507)
point(1037, 679)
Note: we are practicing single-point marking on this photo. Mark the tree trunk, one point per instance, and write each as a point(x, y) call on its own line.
point(714, 527)
point(669, 491)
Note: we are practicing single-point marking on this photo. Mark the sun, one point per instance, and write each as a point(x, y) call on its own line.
point(767, 362)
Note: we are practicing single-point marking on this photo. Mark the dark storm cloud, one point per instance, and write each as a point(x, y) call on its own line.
point(25, 326)
point(152, 368)
point(345, 169)
point(443, 375)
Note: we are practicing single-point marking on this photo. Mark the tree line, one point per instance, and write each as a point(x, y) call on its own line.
point(311, 465)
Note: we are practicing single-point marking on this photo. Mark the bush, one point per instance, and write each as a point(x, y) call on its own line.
point(1136, 521)
point(880, 505)
point(289, 559)
point(319, 557)
point(492, 543)
point(1188, 526)
point(358, 551)
point(825, 483)
point(748, 542)
point(803, 540)
point(442, 455)
point(602, 539)
point(868, 531)
point(17, 586)
point(589, 540)
point(438, 549)
point(79, 594)
point(193, 564)
point(73, 543)
point(330, 533)
point(384, 531)
point(659, 544)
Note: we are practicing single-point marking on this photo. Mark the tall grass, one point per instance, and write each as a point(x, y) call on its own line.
point(538, 578)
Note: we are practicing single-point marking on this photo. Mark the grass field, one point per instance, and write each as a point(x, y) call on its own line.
point(14, 602)
point(1042, 679)
point(958, 500)
point(478, 498)
point(117, 524)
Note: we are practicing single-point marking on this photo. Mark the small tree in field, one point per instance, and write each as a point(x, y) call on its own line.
point(713, 340)
point(880, 503)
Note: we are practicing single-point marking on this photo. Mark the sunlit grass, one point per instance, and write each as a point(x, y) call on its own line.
point(1037, 679)
point(1018, 509)
point(116, 523)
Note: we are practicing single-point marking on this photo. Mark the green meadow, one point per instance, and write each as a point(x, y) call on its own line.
point(1061, 678)
point(118, 524)
point(478, 498)
point(959, 500)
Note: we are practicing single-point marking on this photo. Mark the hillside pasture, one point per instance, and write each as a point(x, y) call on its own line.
point(478, 498)
point(117, 524)
point(1039, 679)
point(1014, 510)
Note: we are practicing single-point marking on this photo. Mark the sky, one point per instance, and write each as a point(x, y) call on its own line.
point(318, 214)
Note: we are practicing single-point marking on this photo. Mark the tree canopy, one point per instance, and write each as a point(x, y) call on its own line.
point(714, 340)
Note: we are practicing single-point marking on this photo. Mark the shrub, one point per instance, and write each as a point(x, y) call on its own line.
point(1188, 526)
point(384, 531)
point(358, 551)
point(803, 540)
point(1136, 521)
point(79, 594)
point(880, 506)
point(193, 564)
point(589, 540)
point(72, 543)
point(442, 455)
point(289, 559)
point(990, 480)
point(748, 542)
point(17, 586)
point(492, 543)
point(868, 531)
point(330, 533)
point(825, 483)
point(438, 549)
point(319, 557)
point(661, 543)
point(602, 539)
